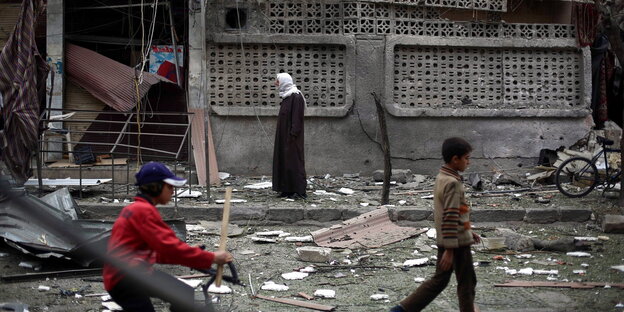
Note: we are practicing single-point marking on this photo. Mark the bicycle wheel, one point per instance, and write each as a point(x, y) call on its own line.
point(576, 177)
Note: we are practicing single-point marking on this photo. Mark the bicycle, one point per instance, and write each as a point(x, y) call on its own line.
point(578, 176)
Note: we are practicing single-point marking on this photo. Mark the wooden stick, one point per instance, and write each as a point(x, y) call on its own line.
point(224, 232)
point(309, 305)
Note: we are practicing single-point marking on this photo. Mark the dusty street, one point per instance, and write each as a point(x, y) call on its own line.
point(357, 274)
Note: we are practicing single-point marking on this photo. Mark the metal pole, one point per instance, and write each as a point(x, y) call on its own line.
point(175, 47)
point(206, 146)
point(113, 175)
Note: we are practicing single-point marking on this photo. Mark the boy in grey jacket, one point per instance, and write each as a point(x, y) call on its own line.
point(454, 236)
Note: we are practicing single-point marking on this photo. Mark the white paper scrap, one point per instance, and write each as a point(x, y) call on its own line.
point(546, 272)
point(43, 288)
point(526, 271)
point(308, 269)
point(294, 275)
point(415, 262)
point(346, 191)
point(258, 186)
point(219, 290)
point(419, 279)
point(431, 233)
point(377, 297)
point(578, 254)
point(325, 293)
point(301, 239)
point(270, 285)
point(270, 233)
point(233, 200)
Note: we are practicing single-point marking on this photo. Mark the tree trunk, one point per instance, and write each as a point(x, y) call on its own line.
point(385, 147)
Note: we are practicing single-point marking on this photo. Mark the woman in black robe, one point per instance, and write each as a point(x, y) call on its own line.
point(289, 176)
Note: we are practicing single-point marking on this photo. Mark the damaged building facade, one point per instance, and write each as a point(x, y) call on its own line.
point(509, 76)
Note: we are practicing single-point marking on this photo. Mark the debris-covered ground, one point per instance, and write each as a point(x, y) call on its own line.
point(355, 275)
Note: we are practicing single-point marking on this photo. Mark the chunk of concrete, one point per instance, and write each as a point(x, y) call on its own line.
point(570, 214)
point(323, 214)
point(496, 215)
point(411, 214)
point(541, 215)
point(313, 254)
point(613, 224)
point(285, 214)
point(398, 175)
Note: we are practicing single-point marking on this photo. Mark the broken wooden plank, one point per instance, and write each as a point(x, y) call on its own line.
point(574, 285)
point(305, 296)
point(56, 274)
point(303, 304)
point(198, 137)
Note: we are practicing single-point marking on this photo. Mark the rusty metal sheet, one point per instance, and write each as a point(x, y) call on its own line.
point(370, 230)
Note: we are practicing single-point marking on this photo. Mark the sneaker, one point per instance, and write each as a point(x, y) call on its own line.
point(284, 194)
point(397, 308)
point(297, 196)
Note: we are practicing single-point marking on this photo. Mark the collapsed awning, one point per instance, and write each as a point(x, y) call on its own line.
point(108, 80)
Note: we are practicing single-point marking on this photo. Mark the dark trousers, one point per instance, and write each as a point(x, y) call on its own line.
point(430, 289)
point(134, 298)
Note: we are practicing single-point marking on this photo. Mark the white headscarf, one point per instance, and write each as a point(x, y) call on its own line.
point(286, 85)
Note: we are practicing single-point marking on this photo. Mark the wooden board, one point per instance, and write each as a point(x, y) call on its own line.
point(198, 136)
point(303, 304)
point(576, 285)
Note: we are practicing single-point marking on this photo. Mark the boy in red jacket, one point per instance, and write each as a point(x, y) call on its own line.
point(141, 238)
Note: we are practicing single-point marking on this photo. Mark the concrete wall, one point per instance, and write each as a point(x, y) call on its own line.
point(507, 129)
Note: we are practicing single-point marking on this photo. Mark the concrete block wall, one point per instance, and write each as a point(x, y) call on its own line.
point(510, 89)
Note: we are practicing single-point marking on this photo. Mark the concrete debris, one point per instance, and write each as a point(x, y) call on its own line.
point(494, 243)
point(247, 252)
point(223, 175)
point(364, 204)
point(351, 175)
point(187, 193)
point(578, 254)
point(426, 197)
point(402, 202)
point(300, 239)
point(325, 293)
point(324, 193)
point(618, 267)
point(327, 176)
point(585, 265)
point(346, 191)
point(263, 240)
point(431, 233)
point(613, 224)
point(546, 272)
point(233, 200)
point(43, 288)
point(223, 289)
point(258, 186)
point(340, 275)
point(30, 265)
point(524, 256)
point(505, 179)
point(519, 242)
point(294, 275)
point(603, 238)
point(112, 306)
point(272, 286)
point(377, 297)
point(308, 269)
point(586, 238)
point(415, 262)
point(313, 254)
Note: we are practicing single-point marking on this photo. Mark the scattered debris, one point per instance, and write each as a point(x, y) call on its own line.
point(575, 285)
point(301, 239)
point(377, 297)
point(313, 254)
point(415, 262)
point(270, 285)
point(325, 293)
point(618, 267)
point(419, 279)
point(308, 269)
point(371, 230)
point(294, 275)
point(303, 304)
point(187, 193)
point(43, 288)
point(258, 186)
point(223, 289)
point(233, 200)
point(346, 191)
point(214, 228)
point(223, 175)
point(613, 224)
point(304, 295)
point(578, 254)
point(432, 233)
point(30, 265)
